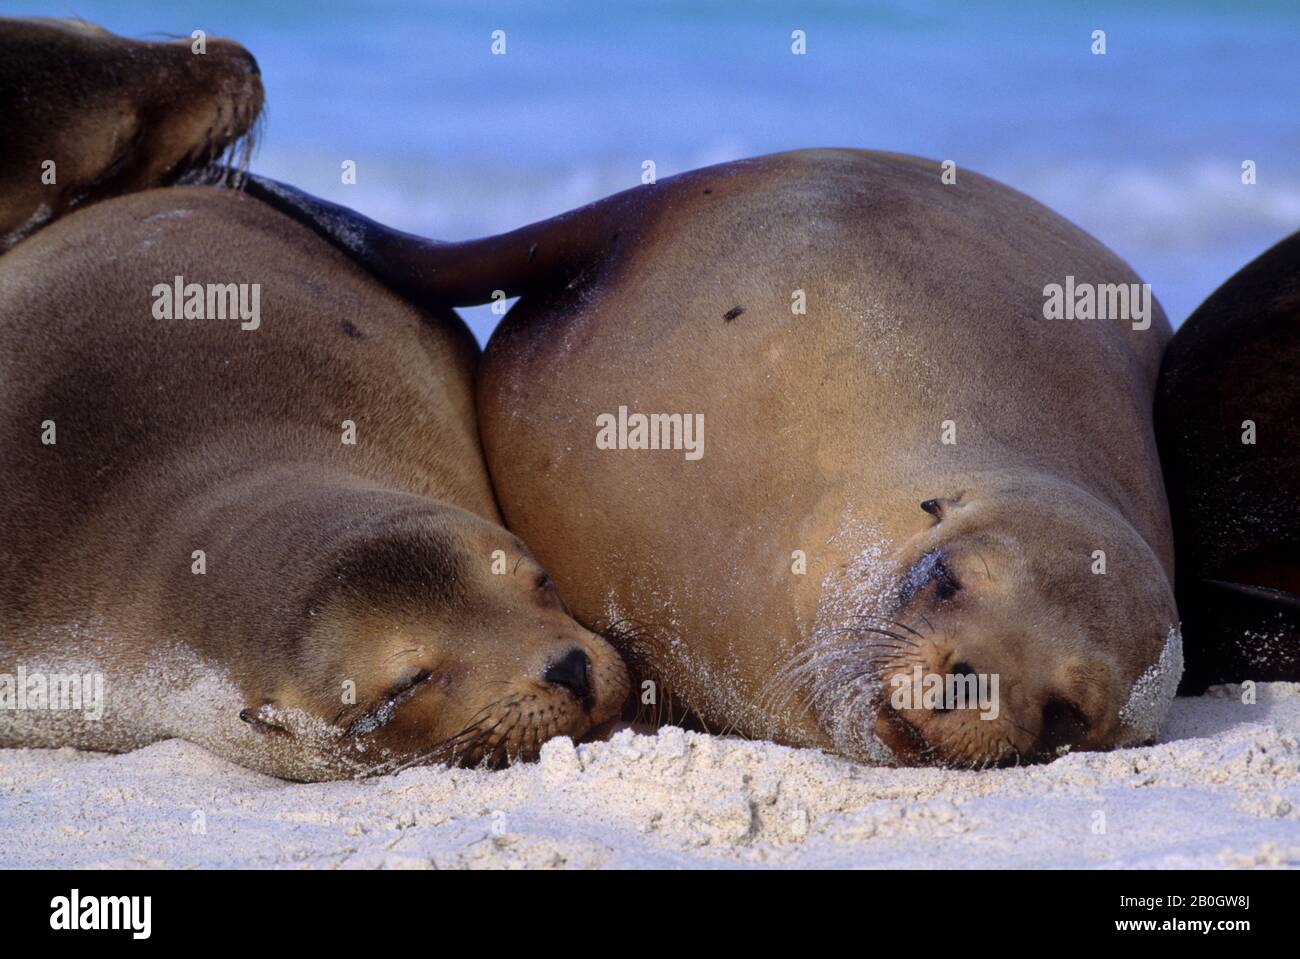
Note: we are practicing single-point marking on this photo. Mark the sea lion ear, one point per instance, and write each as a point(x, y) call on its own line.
point(940, 506)
point(263, 719)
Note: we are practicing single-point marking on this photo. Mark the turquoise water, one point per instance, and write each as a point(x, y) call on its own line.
point(1142, 147)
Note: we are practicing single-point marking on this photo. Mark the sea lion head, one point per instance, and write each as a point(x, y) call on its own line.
point(113, 115)
point(1025, 620)
point(434, 636)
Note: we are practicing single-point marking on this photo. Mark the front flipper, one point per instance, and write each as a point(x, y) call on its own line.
point(265, 719)
point(545, 255)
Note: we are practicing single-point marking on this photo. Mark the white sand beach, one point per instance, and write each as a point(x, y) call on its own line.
point(1221, 789)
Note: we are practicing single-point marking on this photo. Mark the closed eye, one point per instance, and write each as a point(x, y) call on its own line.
point(931, 570)
point(550, 595)
point(383, 714)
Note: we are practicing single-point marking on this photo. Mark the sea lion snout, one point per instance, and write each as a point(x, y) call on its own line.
point(239, 54)
point(229, 67)
point(585, 681)
point(964, 703)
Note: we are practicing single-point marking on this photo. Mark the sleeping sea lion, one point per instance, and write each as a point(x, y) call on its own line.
point(246, 502)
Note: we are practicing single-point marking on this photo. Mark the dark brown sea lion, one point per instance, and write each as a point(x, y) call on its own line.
point(268, 530)
point(1226, 415)
point(914, 463)
point(86, 115)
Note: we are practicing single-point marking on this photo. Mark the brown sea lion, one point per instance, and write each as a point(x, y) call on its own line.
point(86, 115)
point(915, 466)
point(1226, 408)
point(266, 528)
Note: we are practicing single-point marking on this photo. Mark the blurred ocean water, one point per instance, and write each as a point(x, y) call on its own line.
point(1142, 147)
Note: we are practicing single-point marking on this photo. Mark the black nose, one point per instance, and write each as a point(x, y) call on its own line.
point(570, 671)
point(962, 668)
point(1064, 724)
